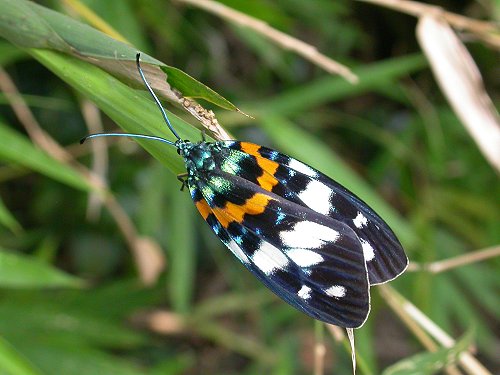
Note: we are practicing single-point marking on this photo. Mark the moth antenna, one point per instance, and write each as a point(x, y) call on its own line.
point(143, 136)
point(164, 114)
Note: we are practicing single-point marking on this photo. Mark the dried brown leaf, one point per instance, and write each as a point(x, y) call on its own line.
point(462, 84)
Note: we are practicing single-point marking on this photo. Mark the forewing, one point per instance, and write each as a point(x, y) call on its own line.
point(304, 185)
point(313, 262)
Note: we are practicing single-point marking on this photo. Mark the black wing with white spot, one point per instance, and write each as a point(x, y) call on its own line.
point(304, 185)
point(311, 261)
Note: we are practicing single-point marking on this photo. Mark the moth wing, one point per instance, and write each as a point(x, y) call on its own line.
point(299, 183)
point(311, 261)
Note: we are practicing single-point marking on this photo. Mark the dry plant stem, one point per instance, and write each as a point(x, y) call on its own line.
point(285, 41)
point(417, 331)
point(23, 113)
point(468, 362)
point(461, 260)
point(336, 332)
point(319, 348)
point(319, 358)
point(161, 322)
point(51, 147)
point(484, 30)
point(415, 319)
point(92, 118)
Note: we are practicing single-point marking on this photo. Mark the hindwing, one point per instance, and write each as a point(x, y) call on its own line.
point(303, 185)
point(311, 261)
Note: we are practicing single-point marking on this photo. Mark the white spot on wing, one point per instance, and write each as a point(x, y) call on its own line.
point(336, 291)
point(302, 168)
point(317, 196)
point(360, 220)
point(304, 292)
point(236, 250)
point(368, 251)
point(269, 258)
point(308, 235)
point(304, 257)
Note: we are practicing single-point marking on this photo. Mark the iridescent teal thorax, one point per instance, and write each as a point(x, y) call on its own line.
point(198, 157)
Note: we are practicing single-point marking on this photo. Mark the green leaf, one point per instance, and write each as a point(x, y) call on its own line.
point(61, 331)
point(431, 363)
point(20, 271)
point(20, 24)
point(133, 111)
point(13, 363)
point(8, 220)
point(333, 88)
point(30, 25)
point(17, 149)
point(76, 316)
point(71, 359)
point(195, 89)
point(181, 275)
point(10, 54)
point(42, 322)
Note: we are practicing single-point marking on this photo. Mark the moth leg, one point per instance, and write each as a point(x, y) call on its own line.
point(182, 178)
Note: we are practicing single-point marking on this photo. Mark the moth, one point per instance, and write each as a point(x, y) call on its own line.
point(310, 240)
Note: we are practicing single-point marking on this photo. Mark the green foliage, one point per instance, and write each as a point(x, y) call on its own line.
point(70, 299)
point(7, 219)
point(431, 363)
point(18, 150)
point(18, 271)
point(11, 362)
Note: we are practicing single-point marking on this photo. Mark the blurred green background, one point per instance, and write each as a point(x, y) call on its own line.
point(71, 296)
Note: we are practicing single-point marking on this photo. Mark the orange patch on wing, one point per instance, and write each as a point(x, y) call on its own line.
point(204, 208)
point(250, 148)
point(269, 167)
point(235, 212)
